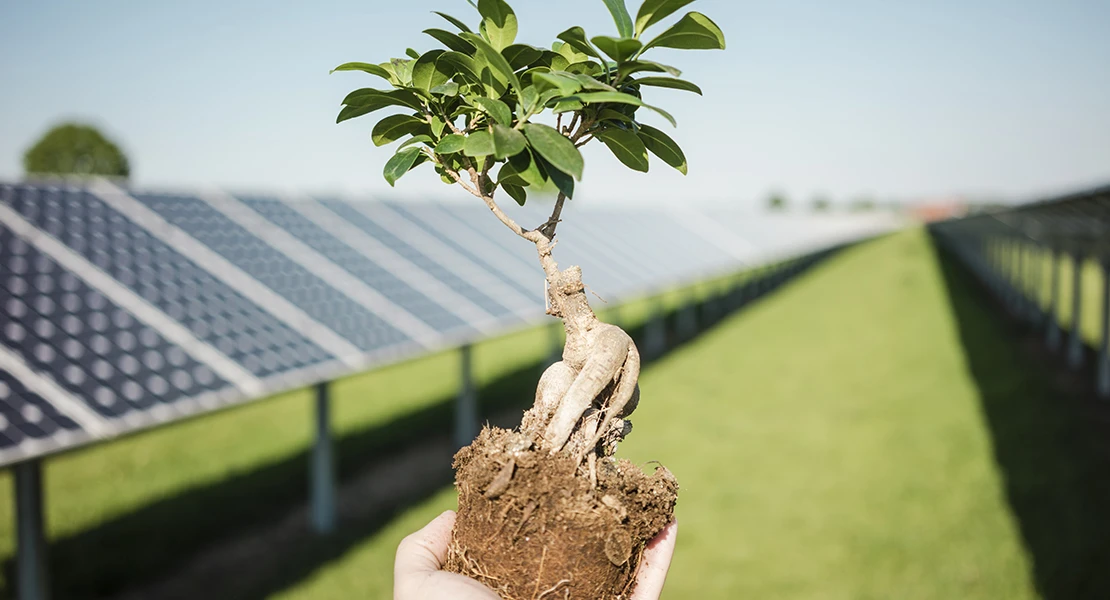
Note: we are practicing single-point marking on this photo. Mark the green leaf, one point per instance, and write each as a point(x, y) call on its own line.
point(694, 31)
point(626, 146)
point(350, 112)
point(496, 109)
point(589, 83)
point(452, 20)
point(576, 38)
point(499, 21)
point(618, 98)
point(554, 60)
point(653, 11)
point(608, 114)
point(515, 192)
point(586, 67)
point(555, 148)
point(563, 182)
point(567, 105)
point(413, 54)
point(430, 70)
point(617, 49)
point(494, 58)
point(379, 99)
point(667, 82)
point(447, 89)
point(564, 82)
point(479, 143)
point(507, 142)
point(366, 68)
point(452, 41)
point(463, 64)
point(400, 164)
point(635, 66)
point(661, 145)
point(402, 68)
point(521, 55)
point(529, 99)
point(620, 17)
point(395, 127)
point(524, 169)
point(451, 144)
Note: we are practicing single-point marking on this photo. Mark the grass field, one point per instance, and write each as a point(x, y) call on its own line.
point(868, 432)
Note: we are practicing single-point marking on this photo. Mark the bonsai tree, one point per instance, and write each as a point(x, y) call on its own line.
point(545, 511)
point(75, 149)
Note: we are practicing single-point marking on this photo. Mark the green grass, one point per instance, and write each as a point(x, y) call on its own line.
point(868, 432)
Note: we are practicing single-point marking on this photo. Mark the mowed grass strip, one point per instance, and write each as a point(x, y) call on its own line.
point(830, 443)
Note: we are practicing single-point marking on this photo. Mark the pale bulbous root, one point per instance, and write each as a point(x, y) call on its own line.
point(583, 400)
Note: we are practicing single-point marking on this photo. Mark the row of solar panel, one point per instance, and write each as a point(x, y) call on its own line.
point(123, 309)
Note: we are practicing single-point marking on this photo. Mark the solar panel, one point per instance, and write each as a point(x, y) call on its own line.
point(123, 309)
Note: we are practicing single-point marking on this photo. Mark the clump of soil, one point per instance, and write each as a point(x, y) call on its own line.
point(532, 525)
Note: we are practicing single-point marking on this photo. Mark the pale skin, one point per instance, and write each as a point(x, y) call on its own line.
point(418, 572)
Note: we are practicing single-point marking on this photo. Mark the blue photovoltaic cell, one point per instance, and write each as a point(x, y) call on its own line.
point(211, 310)
point(510, 271)
point(356, 218)
point(305, 290)
point(97, 351)
point(25, 415)
point(356, 263)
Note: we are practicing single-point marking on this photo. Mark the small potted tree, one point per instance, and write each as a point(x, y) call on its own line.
point(545, 510)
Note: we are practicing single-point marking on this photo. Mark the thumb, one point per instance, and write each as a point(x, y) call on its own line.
point(424, 551)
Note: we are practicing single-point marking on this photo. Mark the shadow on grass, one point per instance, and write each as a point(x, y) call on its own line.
point(150, 543)
point(1056, 481)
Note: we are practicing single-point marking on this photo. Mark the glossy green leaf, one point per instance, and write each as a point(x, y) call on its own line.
point(653, 11)
point(413, 54)
point(576, 38)
point(694, 31)
point(554, 60)
point(366, 68)
point(479, 143)
point(496, 109)
point(565, 83)
point(620, 17)
point(395, 127)
point(452, 20)
point(618, 98)
point(589, 83)
point(529, 99)
point(608, 114)
point(567, 105)
point(617, 49)
point(451, 144)
point(463, 65)
point(499, 22)
point(555, 148)
point(431, 70)
point(626, 146)
point(494, 58)
point(667, 82)
point(521, 55)
point(402, 68)
point(451, 41)
point(524, 169)
point(400, 164)
point(446, 89)
point(507, 142)
point(562, 181)
point(381, 99)
point(350, 112)
point(515, 192)
point(636, 66)
point(661, 145)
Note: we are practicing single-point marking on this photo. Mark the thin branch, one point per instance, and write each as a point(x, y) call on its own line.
point(548, 228)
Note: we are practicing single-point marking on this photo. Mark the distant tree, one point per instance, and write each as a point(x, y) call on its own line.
point(777, 201)
point(76, 149)
point(821, 204)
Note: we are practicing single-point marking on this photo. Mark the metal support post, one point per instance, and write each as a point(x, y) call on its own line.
point(466, 406)
point(1104, 349)
point(688, 319)
point(31, 579)
point(322, 473)
point(1052, 331)
point(655, 331)
point(1075, 340)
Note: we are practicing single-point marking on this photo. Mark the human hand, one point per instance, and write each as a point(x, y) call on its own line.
point(418, 574)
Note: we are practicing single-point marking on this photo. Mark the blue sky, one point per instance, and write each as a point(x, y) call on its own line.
point(895, 100)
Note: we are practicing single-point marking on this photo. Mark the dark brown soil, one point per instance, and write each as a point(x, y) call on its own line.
point(532, 527)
